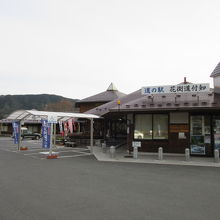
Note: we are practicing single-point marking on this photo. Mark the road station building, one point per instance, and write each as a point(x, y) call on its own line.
point(174, 117)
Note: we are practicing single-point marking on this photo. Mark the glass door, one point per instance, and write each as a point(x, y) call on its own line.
point(216, 131)
point(200, 135)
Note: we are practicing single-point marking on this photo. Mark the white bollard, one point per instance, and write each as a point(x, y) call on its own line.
point(104, 148)
point(112, 151)
point(216, 156)
point(135, 152)
point(187, 154)
point(160, 153)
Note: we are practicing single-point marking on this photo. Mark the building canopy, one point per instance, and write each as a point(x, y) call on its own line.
point(38, 115)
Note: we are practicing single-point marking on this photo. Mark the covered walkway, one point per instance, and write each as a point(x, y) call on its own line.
point(52, 117)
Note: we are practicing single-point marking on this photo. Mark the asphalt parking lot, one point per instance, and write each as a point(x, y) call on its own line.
point(79, 187)
point(36, 151)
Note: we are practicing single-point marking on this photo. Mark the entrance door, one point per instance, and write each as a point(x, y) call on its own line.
point(200, 135)
point(216, 132)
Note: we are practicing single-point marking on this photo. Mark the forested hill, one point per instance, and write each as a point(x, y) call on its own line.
point(44, 102)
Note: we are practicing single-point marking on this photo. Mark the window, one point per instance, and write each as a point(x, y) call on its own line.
point(148, 126)
point(160, 126)
point(143, 127)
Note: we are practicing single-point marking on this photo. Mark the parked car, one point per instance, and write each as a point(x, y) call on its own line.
point(28, 134)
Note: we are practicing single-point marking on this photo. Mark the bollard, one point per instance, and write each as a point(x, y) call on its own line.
point(112, 152)
point(160, 153)
point(135, 152)
point(104, 147)
point(216, 155)
point(187, 154)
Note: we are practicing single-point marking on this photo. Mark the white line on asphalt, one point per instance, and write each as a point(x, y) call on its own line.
point(73, 156)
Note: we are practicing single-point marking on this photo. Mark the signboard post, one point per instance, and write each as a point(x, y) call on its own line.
point(52, 119)
point(135, 145)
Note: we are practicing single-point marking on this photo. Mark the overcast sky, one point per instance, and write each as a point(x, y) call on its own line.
point(76, 48)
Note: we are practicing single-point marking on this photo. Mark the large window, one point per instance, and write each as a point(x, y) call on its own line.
point(160, 126)
point(143, 127)
point(148, 126)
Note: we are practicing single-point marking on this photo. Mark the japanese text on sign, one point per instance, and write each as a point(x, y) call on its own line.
point(182, 88)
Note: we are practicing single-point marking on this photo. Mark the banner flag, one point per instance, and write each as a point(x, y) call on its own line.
point(16, 133)
point(65, 129)
point(70, 124)
point(46, 134)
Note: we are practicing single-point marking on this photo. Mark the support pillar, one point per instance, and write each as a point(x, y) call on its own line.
point(91, 135)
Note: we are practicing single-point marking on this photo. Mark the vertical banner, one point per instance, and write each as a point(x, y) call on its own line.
point(61, 128)
point(74, 124)
point(46, 134)
point(16, 133)
point(65, 129)
point(70, 124)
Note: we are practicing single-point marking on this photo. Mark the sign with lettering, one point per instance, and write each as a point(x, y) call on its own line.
point(179, 128)
point(16, 132)
point(52, 118)
point(46, 134)
point(181, 88)
point(136, 144)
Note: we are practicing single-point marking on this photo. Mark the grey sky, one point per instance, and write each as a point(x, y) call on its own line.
point(77, 48)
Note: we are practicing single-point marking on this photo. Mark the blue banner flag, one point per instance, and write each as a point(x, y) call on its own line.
point(46, 134)
point(16, 132)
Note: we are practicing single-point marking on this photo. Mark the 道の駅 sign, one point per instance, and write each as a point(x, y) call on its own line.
point(181, 88)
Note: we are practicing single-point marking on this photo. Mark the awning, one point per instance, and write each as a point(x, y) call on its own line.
point(38, 115)
point(25, 115)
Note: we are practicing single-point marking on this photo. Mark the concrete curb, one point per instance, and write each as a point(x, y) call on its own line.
point(105, 157)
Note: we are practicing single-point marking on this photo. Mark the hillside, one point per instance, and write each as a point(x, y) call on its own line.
point(43, 102)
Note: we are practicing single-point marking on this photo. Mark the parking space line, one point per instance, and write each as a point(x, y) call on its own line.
point(34, 151)
point(69, 156)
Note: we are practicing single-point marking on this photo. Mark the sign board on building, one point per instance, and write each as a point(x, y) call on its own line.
point(179, 128)
point(136, 144)
point(52, 119)
point(181, 88)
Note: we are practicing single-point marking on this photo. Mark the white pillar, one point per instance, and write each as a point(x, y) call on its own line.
point(187, 154)
point(55, 136)
point(160, 153)
point(19, 137)
point(135, 152)
point(91, 135)
point(216, 156)
point(112, 151)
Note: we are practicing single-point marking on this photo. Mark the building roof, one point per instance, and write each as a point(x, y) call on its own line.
point(105, 108)
point(163, 102)
point(160, 102)
point(110, 94)
point(38, 115)
point(216, 71)
point(112, 87)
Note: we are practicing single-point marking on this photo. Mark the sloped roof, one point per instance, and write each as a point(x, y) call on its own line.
point(105, 108)
point(160, 102)
point(216, 71)
point(112, 87)
point(110, 94)
point(138, 102)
